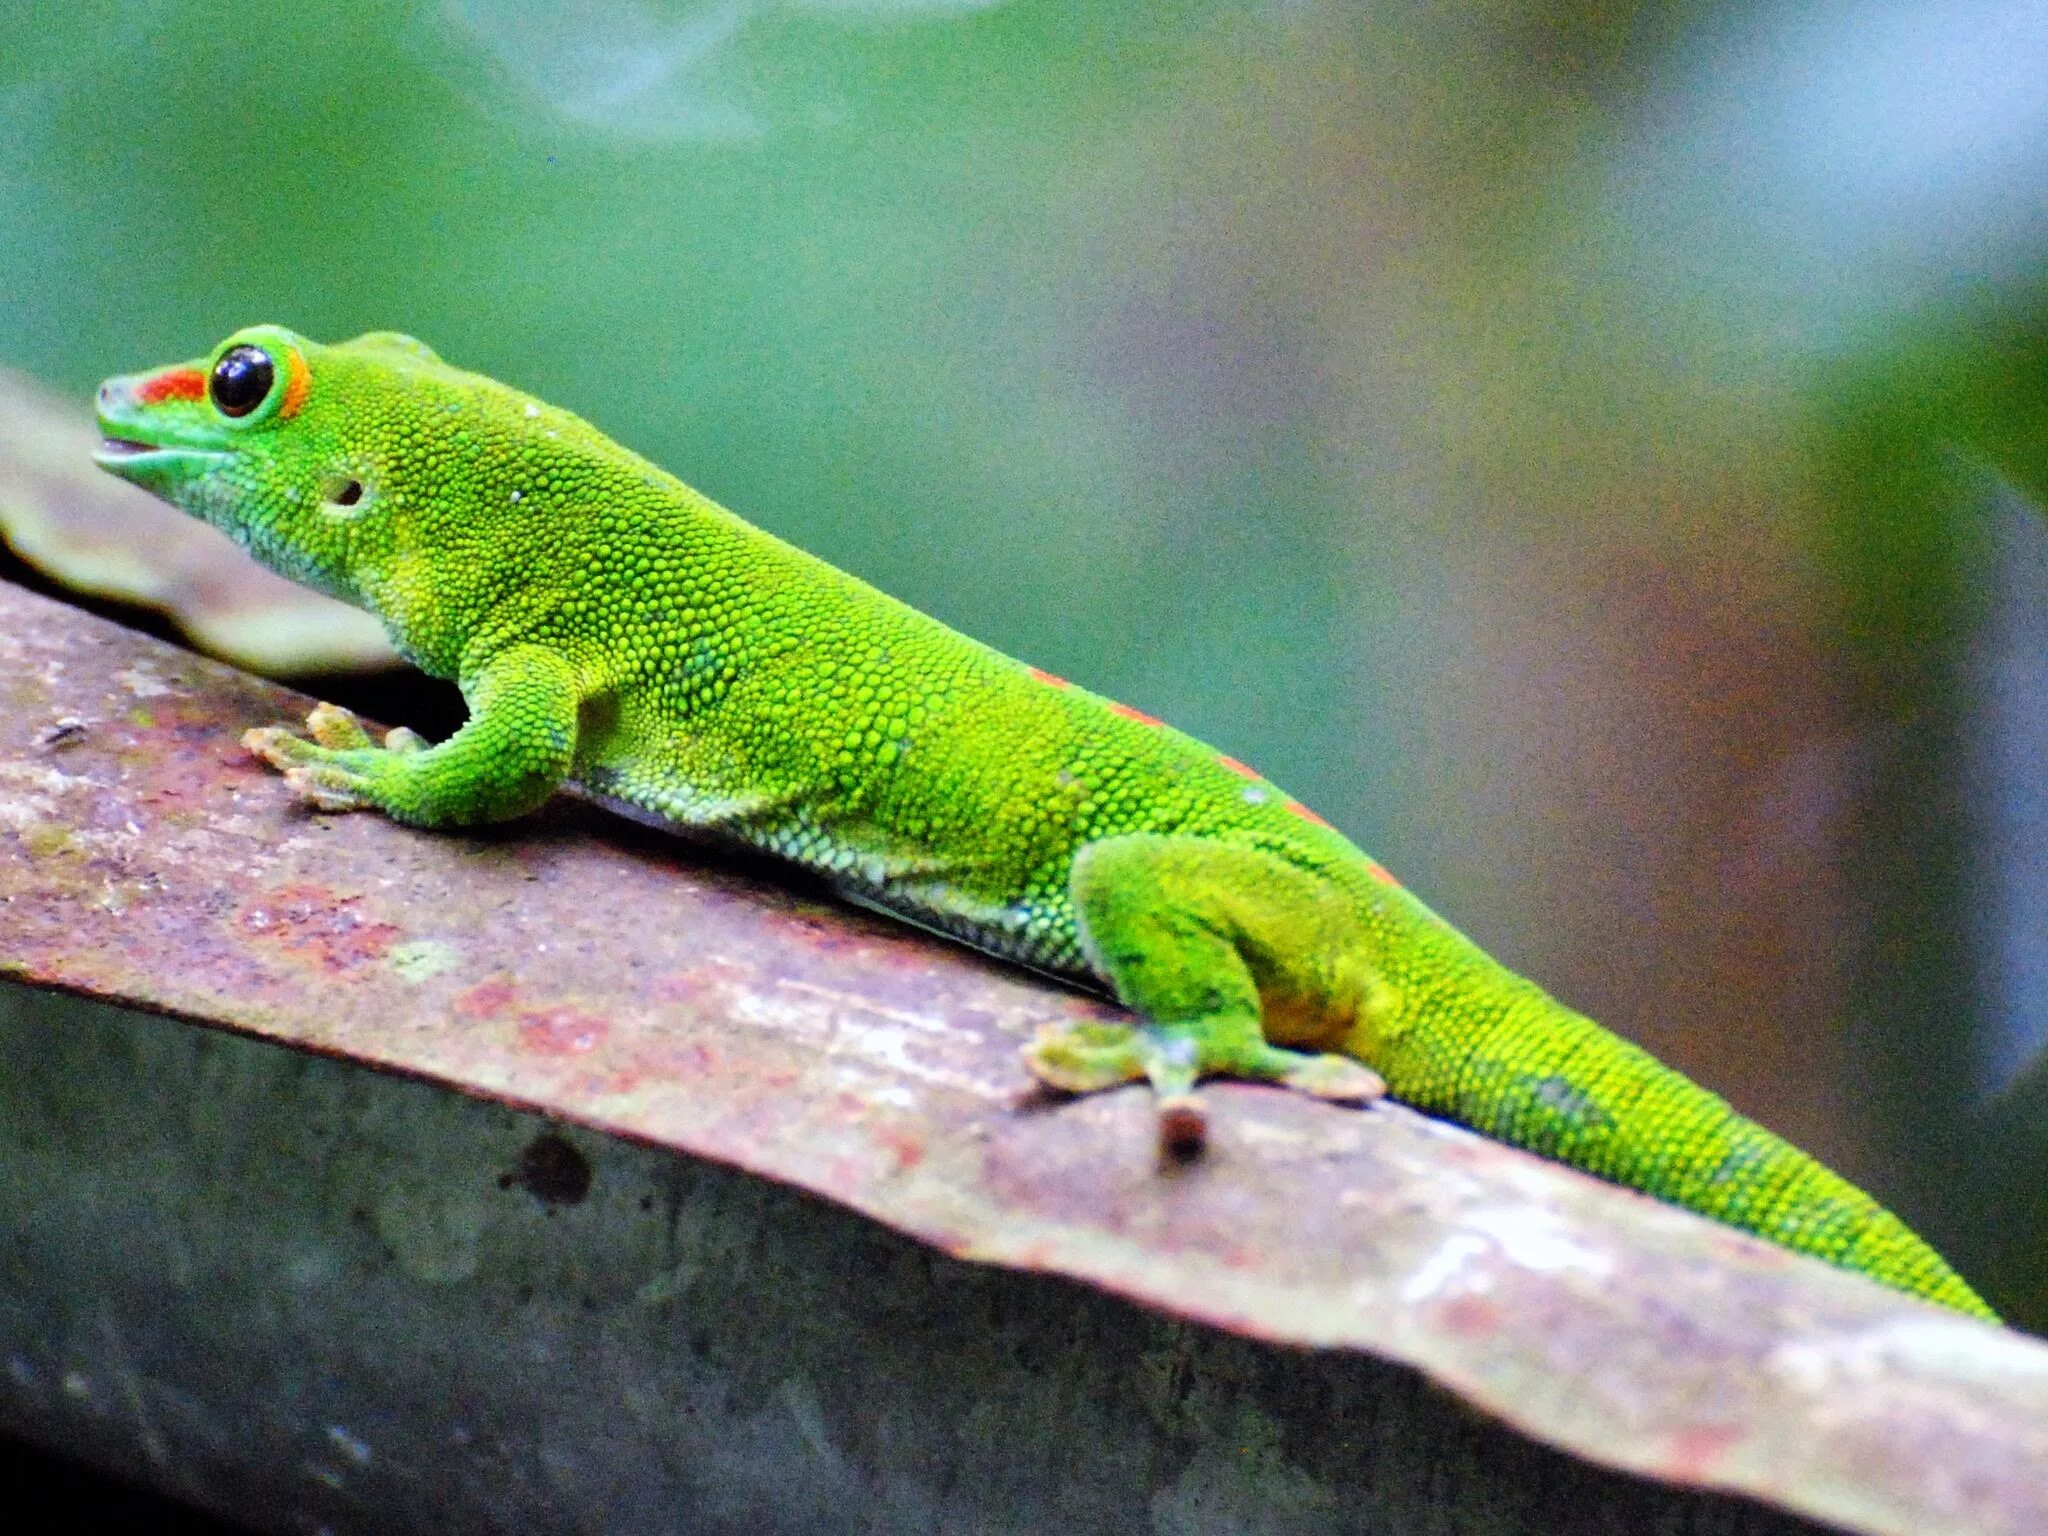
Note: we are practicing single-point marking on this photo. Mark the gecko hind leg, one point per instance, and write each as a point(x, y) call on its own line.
point(1206, 941)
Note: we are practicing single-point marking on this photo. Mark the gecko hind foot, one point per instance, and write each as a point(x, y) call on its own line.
point(1089, 1056)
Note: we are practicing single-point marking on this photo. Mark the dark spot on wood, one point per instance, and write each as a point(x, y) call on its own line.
point(550, 1170)
point(67, 732)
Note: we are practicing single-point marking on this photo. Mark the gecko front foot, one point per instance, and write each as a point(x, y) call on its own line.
point(1087, 1057)
point(332, 771)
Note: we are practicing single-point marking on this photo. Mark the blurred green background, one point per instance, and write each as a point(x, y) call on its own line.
point(1590, 458)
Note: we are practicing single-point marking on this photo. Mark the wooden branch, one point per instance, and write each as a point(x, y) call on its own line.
point(684, 1006)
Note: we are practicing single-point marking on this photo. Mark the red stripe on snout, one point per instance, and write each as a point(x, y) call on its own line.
point(172, 384)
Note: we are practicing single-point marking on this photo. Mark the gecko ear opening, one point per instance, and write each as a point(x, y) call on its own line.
point(342, 491)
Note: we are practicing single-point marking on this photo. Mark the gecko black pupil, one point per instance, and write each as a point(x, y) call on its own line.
point(240, 380)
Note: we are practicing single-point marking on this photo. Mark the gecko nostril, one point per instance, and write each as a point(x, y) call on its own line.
point(349, 494)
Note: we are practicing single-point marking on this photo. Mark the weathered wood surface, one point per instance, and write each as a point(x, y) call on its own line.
point(313, 1297)
point(641, 987)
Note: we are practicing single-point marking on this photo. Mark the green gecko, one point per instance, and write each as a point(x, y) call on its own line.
point(609, 625)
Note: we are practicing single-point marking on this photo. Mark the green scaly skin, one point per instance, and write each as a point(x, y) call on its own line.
point(609, 625)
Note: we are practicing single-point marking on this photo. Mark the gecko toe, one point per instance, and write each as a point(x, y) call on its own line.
point(325, 788)
point(277, 746)
point(1084, 1057)
point(337, 729)
point(1338, 1079)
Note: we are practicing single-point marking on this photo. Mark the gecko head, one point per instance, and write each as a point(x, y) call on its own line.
point(287, 446)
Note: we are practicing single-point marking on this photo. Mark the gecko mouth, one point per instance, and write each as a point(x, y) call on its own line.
point(148, 464)
point(124, 447)
point(114, 450)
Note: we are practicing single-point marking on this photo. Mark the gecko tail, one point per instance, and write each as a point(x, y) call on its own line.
point(1539, 1076)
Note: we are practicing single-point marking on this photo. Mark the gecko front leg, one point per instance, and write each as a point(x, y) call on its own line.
point(512, 753)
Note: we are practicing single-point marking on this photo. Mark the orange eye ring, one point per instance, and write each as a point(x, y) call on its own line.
point(298, 383)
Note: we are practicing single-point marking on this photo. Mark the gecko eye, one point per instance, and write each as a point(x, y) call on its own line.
point(241, 380)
